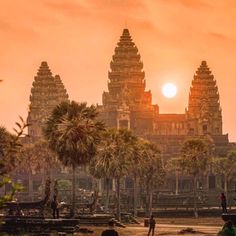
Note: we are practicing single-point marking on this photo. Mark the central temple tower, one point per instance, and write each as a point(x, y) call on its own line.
point(127, 104)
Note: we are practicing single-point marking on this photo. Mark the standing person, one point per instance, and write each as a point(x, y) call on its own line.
point(223, 203)
point(152, 225)
point(110, 231)
point(55, 207)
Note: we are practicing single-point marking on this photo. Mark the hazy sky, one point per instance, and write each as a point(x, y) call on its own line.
point(77, 38)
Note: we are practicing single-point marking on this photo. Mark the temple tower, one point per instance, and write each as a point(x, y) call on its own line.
point(46, 93)
point(127, 104)
point(204, 111)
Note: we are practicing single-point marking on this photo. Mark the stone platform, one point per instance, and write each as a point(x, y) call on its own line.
point(227, 217)
point(38, 225)
point(98, 220)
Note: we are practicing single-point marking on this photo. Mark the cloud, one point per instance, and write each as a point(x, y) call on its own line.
point(17, 30)
point(117, 4)
point(69, 8)
point(189, 3)
point(4, 25)
point(218, 36)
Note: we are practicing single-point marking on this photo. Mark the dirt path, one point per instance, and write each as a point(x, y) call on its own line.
point(170, 227)
point(162, 229)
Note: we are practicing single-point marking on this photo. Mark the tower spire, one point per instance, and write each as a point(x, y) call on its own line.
point(204, 112)
point(126, 101)
point(47, 92)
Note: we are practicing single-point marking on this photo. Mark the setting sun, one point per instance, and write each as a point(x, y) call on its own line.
point(169, 90)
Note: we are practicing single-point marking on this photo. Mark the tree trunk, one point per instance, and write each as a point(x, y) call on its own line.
point(73, 190)
point(176, 182)
point(99, 186)
point(30, 182)
point(150, 203)
point(118, 198)
point(195, 196)
point(226, 189)
point(43, 181)
point(107, 194)
point(147, 200)
point(226, 185)
point(135, 196)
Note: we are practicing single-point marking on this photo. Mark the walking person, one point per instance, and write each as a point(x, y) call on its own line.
point(223, 203)
point(110, 231)
point(55, 207)
point(152, 225)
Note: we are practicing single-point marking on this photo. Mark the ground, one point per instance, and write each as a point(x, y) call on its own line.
point(170, 226)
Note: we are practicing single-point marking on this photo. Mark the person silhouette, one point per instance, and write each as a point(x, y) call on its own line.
point(152, 225)
point(55, 207)
point(223, 203)
point(110, 231)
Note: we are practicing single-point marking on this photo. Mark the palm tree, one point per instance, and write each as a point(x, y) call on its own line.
point(225, 166)
point(174, 165)
point(136, 159)
point(112, 160)
point(194, 160)
point(152, 172)
point(101, 166)
point(73, 132)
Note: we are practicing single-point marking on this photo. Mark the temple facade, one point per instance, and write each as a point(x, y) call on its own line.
point(47, 92)
point(127, 104)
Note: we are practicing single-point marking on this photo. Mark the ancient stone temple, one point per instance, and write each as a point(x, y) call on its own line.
point(46, 93)
point(127, 104)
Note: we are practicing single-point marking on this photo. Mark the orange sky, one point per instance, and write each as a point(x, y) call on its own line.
point(77, 38)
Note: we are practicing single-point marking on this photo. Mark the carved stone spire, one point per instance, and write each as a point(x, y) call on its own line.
point(204, 112)
point(126, 59)
point(46, 93)
point(126, 88)
point(126, 79)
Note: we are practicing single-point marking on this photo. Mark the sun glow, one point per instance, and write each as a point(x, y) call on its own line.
point(169, 90)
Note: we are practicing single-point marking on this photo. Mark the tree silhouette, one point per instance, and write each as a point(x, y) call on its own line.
point(194, 160)
point(74, 132)
point(151, 172)
point(113, 160)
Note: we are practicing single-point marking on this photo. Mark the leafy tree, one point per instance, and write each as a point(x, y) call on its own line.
point(74, 132)
point(194, 160)
point(64, 184)
point(37, 157)
point(225, 166)
point(151, 171)
point(10, 146)
point(174, 165)
point(9, 149)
